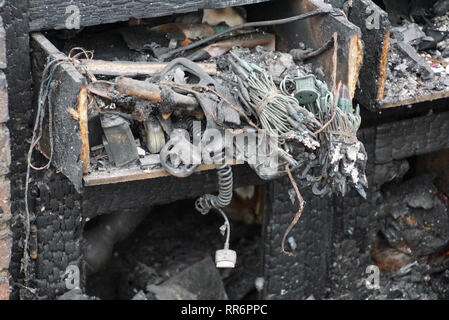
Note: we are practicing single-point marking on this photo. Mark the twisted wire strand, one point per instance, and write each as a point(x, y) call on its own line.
point(272, 105)
point(225, 186)
point(207, 202)
point(47, 76)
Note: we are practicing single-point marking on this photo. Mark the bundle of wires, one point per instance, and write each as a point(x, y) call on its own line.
point(279, 113)
point(342, 157)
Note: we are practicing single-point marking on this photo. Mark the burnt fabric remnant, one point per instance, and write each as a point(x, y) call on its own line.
point(233, 83)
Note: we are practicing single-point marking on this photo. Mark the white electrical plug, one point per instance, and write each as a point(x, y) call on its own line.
point(225, 258)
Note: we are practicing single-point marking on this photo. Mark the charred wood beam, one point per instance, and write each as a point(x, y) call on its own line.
point(62, 14)
point(323, 221)
point(388, 103)
point(67, 133)
point(375, 27)
point(411, 137)
point(140, 89)
point(107, 198)
point(306, 272)
point(132, 69)
point(161, 95)
point(133, 174)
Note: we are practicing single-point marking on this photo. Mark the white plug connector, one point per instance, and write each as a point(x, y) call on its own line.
point(225, 258)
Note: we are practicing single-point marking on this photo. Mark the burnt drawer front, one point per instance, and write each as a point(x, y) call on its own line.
point(56, 14)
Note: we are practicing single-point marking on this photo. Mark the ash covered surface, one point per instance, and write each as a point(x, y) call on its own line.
point(410, 248)
point(428, 72)
point(169, 241)
point(403, 84)
point(348, 276)
point(278, 64)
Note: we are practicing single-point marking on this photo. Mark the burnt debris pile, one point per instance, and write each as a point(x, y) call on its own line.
point(419, 53)
point(247, 94)
point(188, 96)
point(410, 246)
point(194, 96)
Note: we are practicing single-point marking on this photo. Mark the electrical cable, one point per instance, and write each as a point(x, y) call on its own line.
point(47, 76)
point(207, 202)
point(249, 25)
